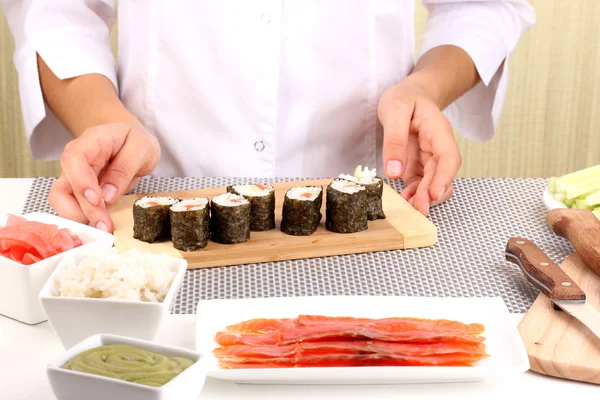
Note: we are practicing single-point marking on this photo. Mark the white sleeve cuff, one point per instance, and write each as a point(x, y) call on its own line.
point(488, 32)
point(67, 56)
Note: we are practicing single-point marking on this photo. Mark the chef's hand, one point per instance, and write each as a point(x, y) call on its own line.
point(98, 167)
point(418, 145)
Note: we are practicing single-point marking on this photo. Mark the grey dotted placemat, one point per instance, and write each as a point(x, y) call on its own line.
point(468, 260)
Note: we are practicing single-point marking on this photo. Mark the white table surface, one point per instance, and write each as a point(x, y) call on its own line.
point(25, 350)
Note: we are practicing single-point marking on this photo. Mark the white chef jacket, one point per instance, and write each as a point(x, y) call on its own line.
point(259, 88)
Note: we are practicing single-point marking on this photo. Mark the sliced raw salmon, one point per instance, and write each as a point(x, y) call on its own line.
point(350, 347)
point(321, 341)
point(261, 325)
point(337, 332)
point(390, 324)
point(355, 360)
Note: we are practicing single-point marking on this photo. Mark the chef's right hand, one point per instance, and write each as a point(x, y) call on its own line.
point(98, 167)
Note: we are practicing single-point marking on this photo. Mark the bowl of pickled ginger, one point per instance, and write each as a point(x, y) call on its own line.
point(31, 246)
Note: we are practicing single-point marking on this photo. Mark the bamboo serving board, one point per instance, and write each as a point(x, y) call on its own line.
point(403, 228)
point(557, 344)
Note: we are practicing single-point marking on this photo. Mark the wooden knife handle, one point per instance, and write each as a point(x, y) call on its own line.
point(541, 271)
point(582, 228)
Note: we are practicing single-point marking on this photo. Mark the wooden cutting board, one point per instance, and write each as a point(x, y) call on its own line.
point(557, 344)
point(403, 228)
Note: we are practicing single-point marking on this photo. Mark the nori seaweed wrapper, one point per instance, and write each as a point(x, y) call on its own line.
point(190, 229)
point(374, 200)
point(346, 212)
point(301, 217)
point(151, 223)
point(262, 213)
point(229, 224)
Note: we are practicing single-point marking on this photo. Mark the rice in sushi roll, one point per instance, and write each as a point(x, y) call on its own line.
point(262, 202)
point(374, 187)
point(230, 218)
point(151, 218)
point(346, 210)
point(189, 224)
point(301, 213)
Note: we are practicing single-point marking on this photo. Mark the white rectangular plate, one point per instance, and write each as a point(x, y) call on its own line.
point(507, 352)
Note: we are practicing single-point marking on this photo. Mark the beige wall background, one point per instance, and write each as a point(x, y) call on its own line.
point(550, 123)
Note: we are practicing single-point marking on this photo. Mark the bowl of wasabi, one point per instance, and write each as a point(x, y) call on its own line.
point(117, 367)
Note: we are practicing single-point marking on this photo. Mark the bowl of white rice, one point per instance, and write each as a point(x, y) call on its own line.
point(122, 293)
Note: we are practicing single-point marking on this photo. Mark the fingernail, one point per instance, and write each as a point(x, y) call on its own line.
point(109, 192)
point(394, 168)
point(102, 226)
point(91, 196)
point(442, 193)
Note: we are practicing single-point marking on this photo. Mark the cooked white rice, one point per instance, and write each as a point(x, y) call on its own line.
point(308, 193)
point(364, 176)
point(190, 204)
point(129, 275)
point(253, 190)
point(150, 201)
point(346, 186)
point(230, 200)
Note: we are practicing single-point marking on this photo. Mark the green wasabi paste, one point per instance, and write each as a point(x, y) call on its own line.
point(129, 364)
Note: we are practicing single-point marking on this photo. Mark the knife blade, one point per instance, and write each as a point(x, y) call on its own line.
point(545, 275)
point(582, 229)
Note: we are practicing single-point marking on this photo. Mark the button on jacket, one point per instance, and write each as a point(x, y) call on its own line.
point(259, 88)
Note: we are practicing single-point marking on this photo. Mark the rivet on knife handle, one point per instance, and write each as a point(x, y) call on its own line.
point(541, 271)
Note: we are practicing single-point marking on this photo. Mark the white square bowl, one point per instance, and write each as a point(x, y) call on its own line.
point(20, 285)
point(75, 318)
point(73, 385)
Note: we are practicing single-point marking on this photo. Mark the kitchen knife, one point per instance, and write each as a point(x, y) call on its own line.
point(582, 229)
point(544, 274)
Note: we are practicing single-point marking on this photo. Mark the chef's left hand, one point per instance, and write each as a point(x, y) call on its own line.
point(418, 145)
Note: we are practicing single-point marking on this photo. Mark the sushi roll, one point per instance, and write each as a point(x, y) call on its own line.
point(374, 187)
point(346, 210)
point(230, 218)
point(262, 202)
point(151, 218)
point(301, 213)
point(190, 224)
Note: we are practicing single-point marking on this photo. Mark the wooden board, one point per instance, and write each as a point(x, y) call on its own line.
point(558, 344)
point(403, 228)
